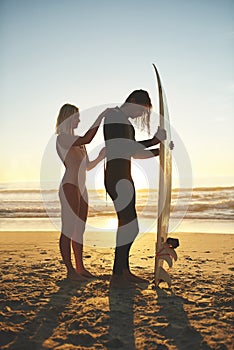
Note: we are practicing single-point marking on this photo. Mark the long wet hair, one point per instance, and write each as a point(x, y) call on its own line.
point(141, 97)
point(63, 123)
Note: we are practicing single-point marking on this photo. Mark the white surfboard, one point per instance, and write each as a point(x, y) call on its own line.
point(164, 251)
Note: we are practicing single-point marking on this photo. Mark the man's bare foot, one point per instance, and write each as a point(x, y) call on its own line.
point(133, 278)
point(74, 276)
point(85, 273)
point(120, 282)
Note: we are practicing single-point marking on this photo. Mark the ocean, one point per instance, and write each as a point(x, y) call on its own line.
point(24, 207)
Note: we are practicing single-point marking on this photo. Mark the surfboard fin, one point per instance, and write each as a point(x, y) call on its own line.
point(168, 259)
point(163, 275)
point(172, 253)
point(166, 253)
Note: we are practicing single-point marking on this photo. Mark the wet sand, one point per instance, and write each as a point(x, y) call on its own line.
point(41, 309)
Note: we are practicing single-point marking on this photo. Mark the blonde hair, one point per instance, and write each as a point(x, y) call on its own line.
point(63, 123)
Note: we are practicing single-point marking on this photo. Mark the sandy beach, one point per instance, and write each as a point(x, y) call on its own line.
point(41, 309)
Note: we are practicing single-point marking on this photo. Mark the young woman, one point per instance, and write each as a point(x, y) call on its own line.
point(121, 145)
point(73, 193)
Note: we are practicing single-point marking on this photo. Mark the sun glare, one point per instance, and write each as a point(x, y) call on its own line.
point(138, 174)
point(111, 223)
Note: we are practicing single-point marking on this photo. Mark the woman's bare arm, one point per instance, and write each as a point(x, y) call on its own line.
point(68, 141)
point(91, 164)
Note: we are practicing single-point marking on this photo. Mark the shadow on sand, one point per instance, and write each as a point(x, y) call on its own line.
point(178, 329)
point(49, 316)
point(66, 317)
point(121, 319)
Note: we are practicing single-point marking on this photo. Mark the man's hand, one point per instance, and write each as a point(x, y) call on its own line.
point(161, 134)
point(171, 145)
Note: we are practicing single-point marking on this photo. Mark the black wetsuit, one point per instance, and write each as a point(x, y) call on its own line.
point(121, 145)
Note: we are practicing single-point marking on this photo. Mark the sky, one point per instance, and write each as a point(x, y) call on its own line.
point(94, 53)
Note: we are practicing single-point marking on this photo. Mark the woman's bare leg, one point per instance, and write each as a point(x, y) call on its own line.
point(77, 238)
point(72, 203)
point(65, 250)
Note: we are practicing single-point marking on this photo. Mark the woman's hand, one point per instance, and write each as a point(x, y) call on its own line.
point(102, 153)
point(104, 113)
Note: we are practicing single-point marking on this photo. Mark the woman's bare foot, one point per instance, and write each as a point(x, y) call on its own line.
point(74, 276)
point(85, 273)
point(133, 278)
point(120, 282)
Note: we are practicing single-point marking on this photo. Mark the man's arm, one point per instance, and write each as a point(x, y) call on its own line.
point(145, 154)
point(160, 136)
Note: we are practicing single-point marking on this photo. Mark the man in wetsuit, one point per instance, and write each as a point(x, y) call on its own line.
point(121, 145)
